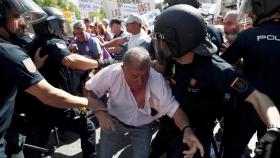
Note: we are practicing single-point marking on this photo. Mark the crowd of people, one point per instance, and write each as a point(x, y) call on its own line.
point(186, 74)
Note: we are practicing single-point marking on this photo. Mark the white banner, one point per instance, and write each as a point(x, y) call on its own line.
point(212, 8)
point(114, 8)
point(83, 15)
point(89, 5)
point(150, 16)
point(127, 9)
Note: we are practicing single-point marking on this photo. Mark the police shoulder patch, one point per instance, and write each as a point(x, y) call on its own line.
point(239, 84)
point(61, 46)
point(29, 65)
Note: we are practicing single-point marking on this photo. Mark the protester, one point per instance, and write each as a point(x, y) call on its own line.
point(87, 45)
point(119, 50)
point(137, 96)
point(231, 28)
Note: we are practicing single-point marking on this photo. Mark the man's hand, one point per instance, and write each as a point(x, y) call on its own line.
point(269, 145)
point(193, 143)
point(105, 121)
point(39, 61)
point(74, 48)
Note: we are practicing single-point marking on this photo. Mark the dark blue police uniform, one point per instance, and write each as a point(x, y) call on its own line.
point(18, 71)
point(259, 47)
point(46, 117)
point(200, 88)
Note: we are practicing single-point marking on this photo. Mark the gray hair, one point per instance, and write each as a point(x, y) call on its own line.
point(231, 13)
point(137, 57)
point(79, 25)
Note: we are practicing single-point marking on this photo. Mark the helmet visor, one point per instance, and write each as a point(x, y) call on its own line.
point(60, 26)
point(163, 53)
point(29, 10)
point(245, 10)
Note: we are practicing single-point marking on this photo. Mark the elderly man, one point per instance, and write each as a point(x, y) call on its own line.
point(84, 44)
point(137, 96)
point(231, 28)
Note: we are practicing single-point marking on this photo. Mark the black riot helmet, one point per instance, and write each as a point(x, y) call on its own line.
point(261, 8)
point(55, 24)
point(27, 9)
point(180, 29)
point(169, 3)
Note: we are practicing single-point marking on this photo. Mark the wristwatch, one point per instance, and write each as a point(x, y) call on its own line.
point(273, 127)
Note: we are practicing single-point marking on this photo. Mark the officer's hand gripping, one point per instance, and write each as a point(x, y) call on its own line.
point(269, 145)
point(193, 143)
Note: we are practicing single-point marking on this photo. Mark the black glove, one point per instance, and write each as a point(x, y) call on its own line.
point(268, 146)
point(106, 62)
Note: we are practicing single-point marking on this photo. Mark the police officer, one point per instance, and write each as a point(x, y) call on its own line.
point(50, 35)
point(201, 78)
point(19, 72)
point(214, 35)
point(259, 47)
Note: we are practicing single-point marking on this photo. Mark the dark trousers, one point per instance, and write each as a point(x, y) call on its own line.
point(169, 139)
point(240, 125)
point(65, 119)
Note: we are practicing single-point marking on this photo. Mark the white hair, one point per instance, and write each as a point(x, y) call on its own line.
point(137, 57)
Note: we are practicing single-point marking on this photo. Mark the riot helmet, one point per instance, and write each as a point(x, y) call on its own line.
point(56, 23)
point(180, 29)
point(27, 9)
point(261, 9)
point(169, 3)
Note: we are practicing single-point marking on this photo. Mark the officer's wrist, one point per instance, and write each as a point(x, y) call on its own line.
point(186, 127)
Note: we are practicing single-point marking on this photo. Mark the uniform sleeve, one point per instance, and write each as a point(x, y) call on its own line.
point(19, 68)
point(236, 50)
point(168, 103)
point(99, 84)
point(230, 80)
point(56, 49)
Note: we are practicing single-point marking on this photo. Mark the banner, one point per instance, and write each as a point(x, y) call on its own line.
point(150, 16)
point(89, 5)
point(114, 8)
point(83, 15)
point(212, 8)
point(127, 9)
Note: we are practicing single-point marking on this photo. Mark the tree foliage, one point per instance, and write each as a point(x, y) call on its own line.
point(60, 4)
